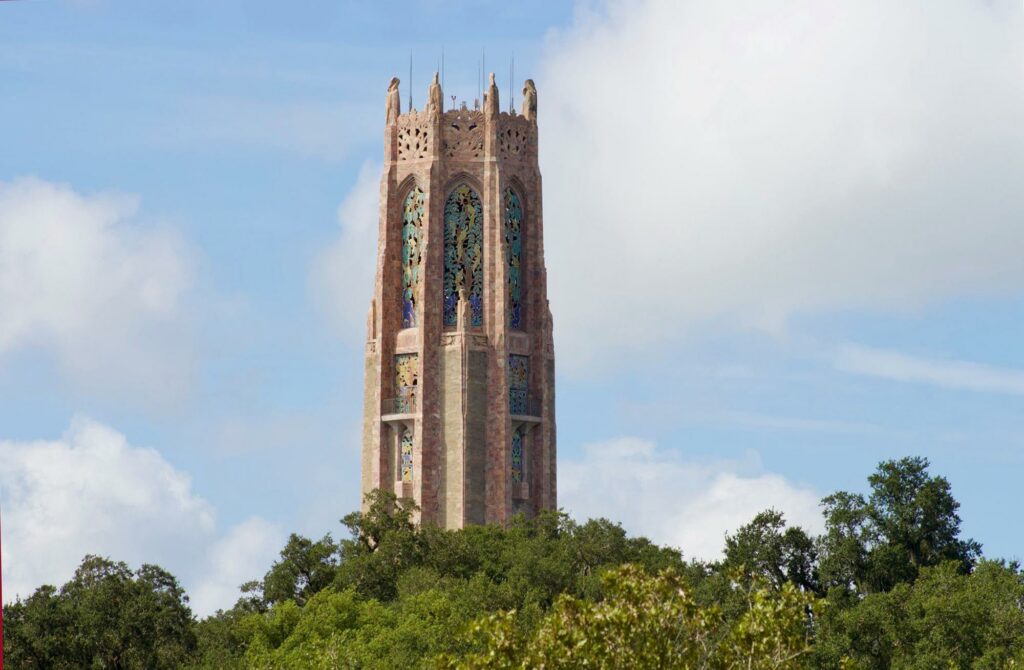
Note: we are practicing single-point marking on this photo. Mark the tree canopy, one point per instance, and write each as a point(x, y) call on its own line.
point(889, 584)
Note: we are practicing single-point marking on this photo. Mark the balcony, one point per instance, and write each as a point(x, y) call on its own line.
point(522, 403)
point(402, 405)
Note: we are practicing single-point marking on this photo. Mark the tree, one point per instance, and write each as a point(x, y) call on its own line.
point(908, 522)
point(384, 542)
point(106, 616)
point(945, 619)
point(765, 547)
point(304, 568)
point(650, 622)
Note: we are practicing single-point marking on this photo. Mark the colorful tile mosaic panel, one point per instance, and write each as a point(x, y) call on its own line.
point(517, 456)
point(412, 229)
point(518, 383)
point(463, 254)
point(514, 257)
point(407, 376)
point(407, 456)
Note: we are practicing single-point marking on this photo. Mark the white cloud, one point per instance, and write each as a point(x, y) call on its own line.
point(92, 492)
point(105, 296)
point(687, 504)
point(342, 276)
point(743, 162)
point(245, 553)
point(944, 373)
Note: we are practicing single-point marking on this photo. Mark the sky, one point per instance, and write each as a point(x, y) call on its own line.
point(783, 242)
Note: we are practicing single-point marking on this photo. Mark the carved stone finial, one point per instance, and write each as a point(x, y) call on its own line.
point(392, 106)
point(435, 98)
point(491, 100)
point(530, 100)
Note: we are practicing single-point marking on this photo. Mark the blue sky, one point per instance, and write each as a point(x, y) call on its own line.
point(783, 245)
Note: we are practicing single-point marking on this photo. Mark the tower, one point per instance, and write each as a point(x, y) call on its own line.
point(459, 397)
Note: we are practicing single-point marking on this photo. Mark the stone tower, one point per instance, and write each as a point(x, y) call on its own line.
point(459, 399)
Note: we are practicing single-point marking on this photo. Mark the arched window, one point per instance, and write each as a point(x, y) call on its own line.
point(407, 377)
point(517, 455)
point(514, 257)
point(412, 228)
point(463, 255)
point(407, 456)
point(518, 384)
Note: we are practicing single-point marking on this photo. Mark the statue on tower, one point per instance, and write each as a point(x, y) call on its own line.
point(435, 98)
point(491, 100)
point(529, 100)
point(393, 106)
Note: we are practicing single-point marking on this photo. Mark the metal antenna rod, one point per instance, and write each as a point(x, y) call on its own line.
point(511, 76)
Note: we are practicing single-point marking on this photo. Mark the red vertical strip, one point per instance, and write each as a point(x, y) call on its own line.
point(1, 601)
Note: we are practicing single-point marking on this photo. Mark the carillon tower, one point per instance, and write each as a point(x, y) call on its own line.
point(459, 399)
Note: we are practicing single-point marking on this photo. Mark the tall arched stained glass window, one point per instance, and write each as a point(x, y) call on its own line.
point(514, 257)
point(463, 255)
point(412, 228)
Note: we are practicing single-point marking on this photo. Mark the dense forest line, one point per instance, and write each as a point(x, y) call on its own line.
point(889, 584)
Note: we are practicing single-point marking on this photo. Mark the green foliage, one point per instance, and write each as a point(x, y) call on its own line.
point(889, 585)
point(384, 543)
point(305, 568)
point(945, 619)
point(106, 617)
point(909, 522)
point(766, 548)
point(650, 622)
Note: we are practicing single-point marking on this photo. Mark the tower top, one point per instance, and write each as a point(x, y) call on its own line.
point(461, 134)
point(435, 102)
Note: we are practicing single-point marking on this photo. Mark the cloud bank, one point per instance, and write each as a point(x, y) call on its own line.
point(93, 492)
point(104, 295)
point(342, 275)
point(687, 504)
point(739, 163)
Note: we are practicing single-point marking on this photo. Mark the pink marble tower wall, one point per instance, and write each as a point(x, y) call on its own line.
point(462, 426)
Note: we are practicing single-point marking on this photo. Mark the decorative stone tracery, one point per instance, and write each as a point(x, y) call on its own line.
point(518, 384)
point(407, 378)
point(413, 136)
point(514, 257)
point(463, 134)
point(517, 455)
point(412, 230)
point(406, 454)
point(514, 138)
point(463, 255)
